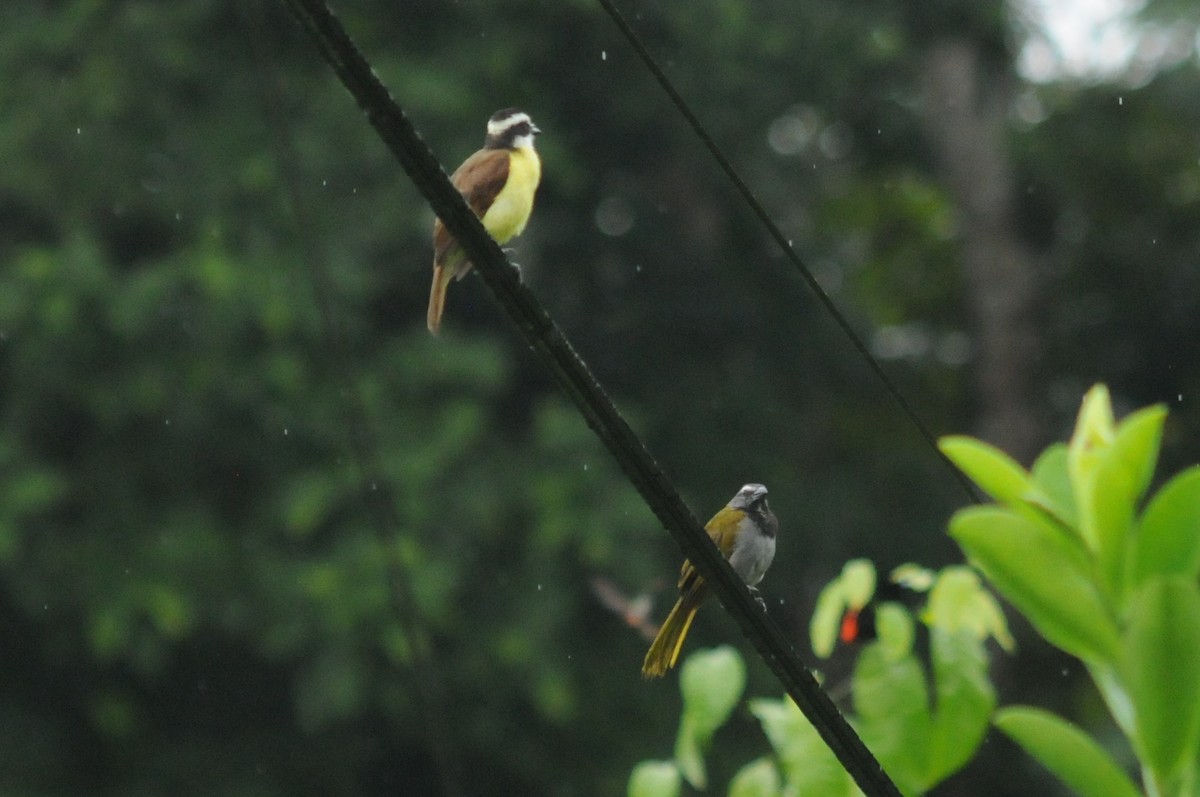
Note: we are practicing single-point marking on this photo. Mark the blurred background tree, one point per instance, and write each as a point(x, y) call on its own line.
point(259, 534)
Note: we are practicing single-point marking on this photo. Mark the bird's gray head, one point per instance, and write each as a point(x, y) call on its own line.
point(510, 129)
point(748, 496)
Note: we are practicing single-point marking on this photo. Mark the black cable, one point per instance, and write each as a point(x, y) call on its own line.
point(784, 245)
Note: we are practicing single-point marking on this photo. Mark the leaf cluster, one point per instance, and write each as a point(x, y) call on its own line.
point(1105, 579)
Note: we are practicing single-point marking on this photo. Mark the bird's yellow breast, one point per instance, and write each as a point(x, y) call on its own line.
point(509, 212)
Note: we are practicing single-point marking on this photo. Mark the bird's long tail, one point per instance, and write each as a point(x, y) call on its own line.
point(437, 296)
point(665, 649)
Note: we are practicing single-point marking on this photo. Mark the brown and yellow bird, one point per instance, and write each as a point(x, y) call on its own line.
point(744, 531)
point(499, 183)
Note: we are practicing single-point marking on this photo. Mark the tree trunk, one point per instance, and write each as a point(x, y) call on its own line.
point(964, 111)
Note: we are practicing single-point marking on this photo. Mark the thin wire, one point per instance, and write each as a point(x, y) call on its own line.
point(788, 251)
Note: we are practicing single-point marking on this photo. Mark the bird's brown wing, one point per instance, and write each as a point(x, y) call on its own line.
point(485, 172)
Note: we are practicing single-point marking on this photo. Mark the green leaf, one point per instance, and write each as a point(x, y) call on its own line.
point(1162, 647)
point(858, 578)
point(1109, 682)
point(1052, 486)
point(913, 576)
point(1139, 437)
point(995, 472)
point(759, 778)
point(689, 753)
point(827, 618)
point(1121, 474)
point(1094, 434)
point(892, 704)
point(1168, 540)
point(1043, 574)
point(711, 682)
point(1073, 756)
point(809, 766)
point(959, 601)
point(1111, 507)
point(965, 700)
point(654, 779)
point(852, 588)
point(894, 628)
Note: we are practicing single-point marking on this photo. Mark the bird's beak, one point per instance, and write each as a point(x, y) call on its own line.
point(535, 129)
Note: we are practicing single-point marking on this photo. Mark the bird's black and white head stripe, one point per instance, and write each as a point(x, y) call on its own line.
point(509, 129)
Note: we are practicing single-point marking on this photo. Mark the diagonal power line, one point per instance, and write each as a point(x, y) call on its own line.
point(773, 229)
point(573, 377)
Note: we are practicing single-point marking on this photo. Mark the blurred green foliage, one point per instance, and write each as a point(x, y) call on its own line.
point(1065, 543)
point(922, 721)
point(256, 528)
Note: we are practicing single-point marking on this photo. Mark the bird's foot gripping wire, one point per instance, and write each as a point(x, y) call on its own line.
point(509, 252)
point(754, 593)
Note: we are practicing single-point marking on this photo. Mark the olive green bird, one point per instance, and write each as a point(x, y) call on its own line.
point(744, 532)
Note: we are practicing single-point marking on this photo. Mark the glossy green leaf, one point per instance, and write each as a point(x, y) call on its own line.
point(809, 766)
point(959, 601)
point(1043, 574)
point(1073, 756)
point(1093, 435)
point(711, 682)
point(1139, 437)
point(826, 618)
point(689, 753)
point(858, 578)
point(895, 630)
point(1052, 485)
point(1112, 688)
point(995, 472)
point(654, 779)
point(759, 778)
point(853, 588)
point(1121, 476)
point(891, 701)
point(1111, 504)
point(1162, 649)
point(1094, 431)
point(1168, 540)
point(965, 700)
point(913, 576)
